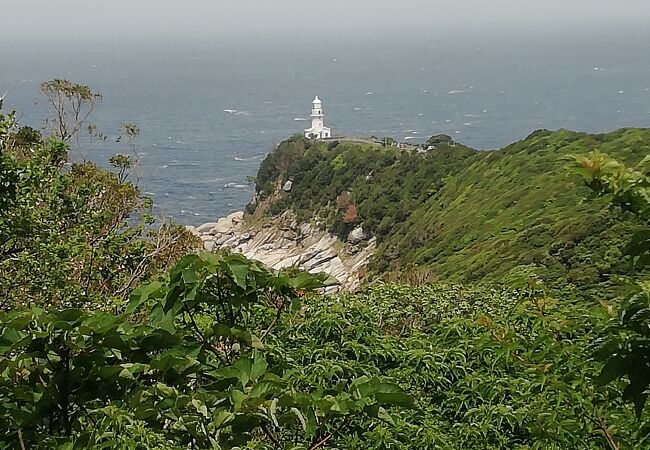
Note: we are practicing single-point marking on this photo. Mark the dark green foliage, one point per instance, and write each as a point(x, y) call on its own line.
point(439, 139)
point(194, 373)
point(626, 345)
point(385, 183)
point(469, 216)
point(73, 234)
point(223, 353)
point(490, 369)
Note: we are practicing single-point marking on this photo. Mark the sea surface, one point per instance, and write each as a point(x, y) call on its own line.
point(210, 111)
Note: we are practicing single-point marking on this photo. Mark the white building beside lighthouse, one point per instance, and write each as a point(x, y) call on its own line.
point(318, 129)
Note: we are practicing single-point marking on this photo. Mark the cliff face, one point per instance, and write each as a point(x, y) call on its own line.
point(466, 215)
point(463, 214)
point(284, 242)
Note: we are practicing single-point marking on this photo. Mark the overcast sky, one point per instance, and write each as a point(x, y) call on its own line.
point(265, 18)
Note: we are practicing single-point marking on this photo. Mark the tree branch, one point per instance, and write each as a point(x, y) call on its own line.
point(20, 438)
point(270, 436)
point(602, 427)
point(329, 436)
point(274, 322)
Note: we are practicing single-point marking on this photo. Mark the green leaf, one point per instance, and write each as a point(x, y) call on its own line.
point(391, 394)
point(307, 282)
point(200, 407)
point(239, 270)
point(379, 413)
point(614, 368)
point(258, 368)
point(190, 276)
point(165, 390)
point(141, 295)
point(223, 419)
point(301, 418)
point(273, 408)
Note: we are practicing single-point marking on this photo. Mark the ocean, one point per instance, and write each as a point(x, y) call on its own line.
point(210, 111)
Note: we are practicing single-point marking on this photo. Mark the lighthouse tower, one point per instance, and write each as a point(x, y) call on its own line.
point(318, 130)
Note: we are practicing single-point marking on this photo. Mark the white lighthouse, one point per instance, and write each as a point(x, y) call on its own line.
point(318, 129)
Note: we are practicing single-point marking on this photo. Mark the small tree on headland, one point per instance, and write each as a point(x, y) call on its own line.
point(72, 105)
point(350, 214)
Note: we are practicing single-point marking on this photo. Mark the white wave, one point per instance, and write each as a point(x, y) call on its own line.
point(183, 164)
point(237, 112)
point(467, 124)
point(235, 185)
point(300, 119)
point(250, 158)
point(457, 92)
point(368, 93)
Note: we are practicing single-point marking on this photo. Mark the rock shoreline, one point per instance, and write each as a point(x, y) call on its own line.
point(284, 242)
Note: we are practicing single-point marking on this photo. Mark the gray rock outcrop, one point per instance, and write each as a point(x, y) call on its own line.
point(284, 242)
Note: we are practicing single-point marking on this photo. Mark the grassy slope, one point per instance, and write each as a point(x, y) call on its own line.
point(518, 206)
point(470, 216)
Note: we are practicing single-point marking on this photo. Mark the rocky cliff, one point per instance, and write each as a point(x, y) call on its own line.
point(284, 242)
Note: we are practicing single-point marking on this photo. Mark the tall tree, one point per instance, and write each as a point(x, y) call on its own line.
point(71, 104)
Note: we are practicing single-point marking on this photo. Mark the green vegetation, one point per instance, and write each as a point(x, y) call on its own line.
point(469, 216)
point(490, 369)
point(115, 332)
point(192, 373)
point(626, 344)
point(72, 234)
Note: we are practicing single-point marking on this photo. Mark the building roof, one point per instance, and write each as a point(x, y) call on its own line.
point(317, 100)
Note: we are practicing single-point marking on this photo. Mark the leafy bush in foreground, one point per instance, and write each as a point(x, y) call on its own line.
point(626, 345)
point(193, 373)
